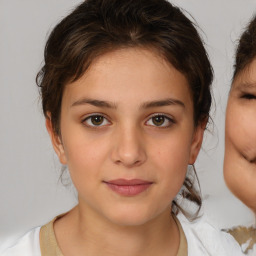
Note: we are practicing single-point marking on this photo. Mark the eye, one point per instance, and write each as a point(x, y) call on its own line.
point(96, 121)
point(160, 120)
point(248, 96)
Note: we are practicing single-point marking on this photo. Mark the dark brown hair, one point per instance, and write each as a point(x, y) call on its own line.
point(246, 49)
point(99, 26)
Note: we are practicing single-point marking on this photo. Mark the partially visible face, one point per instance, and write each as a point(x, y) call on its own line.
point(240, 148)
point(128, 135)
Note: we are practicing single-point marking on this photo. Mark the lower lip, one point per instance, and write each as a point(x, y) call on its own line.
point(129, 190)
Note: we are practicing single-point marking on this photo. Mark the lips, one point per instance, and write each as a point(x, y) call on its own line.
point(126, 187)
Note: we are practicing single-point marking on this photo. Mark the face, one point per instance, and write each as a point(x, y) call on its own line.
point(240, 148)
point(127, 136)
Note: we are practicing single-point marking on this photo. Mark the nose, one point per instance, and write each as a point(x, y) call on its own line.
point(129, 147)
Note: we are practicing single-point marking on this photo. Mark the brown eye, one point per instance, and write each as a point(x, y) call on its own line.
point(96, 120)
point(160, 121)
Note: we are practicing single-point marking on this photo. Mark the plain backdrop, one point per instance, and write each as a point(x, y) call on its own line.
point(31, 193)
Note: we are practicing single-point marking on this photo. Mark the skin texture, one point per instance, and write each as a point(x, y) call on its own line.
point(129, 145)
point(240, 148)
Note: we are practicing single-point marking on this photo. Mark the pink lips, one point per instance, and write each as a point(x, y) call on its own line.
point(128, 187)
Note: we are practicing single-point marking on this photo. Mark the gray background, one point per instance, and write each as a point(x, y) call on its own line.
point(30, 191)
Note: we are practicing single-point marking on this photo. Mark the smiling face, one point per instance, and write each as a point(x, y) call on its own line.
point(127, 136)
point(240, 148)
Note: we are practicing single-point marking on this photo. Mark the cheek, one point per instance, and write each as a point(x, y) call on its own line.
point(174, 150)
point(171, 160)
point(240, 144)
point(240, 177)
point(241, 130)
point(85, 155)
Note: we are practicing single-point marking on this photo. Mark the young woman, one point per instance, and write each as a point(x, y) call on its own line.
point(126, 96)
point(240, 148)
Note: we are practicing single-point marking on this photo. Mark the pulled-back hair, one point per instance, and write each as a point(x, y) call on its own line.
point(99, 26)
point(246, 49)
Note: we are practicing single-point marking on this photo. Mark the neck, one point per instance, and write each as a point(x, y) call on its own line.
point(94, 235)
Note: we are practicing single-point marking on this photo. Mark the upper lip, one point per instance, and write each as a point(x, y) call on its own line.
point(126, 182)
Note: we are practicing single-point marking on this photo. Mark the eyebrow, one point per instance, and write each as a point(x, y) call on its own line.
point(162, 103)
point(96, 103)
point(246, 85)
point(149, 104)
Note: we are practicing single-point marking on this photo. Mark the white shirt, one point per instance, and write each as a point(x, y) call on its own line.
point(251, 252)
point(202, 240)
point(28, 245)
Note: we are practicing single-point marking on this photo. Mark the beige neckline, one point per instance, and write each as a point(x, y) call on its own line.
point(244, 235)
point(48, 242)
point(49, 245)
point(183, 247)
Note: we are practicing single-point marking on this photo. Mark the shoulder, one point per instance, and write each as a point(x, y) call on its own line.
point(204, 239)
point(28, 245)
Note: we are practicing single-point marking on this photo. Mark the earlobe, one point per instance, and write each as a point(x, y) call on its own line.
point(56, 141)
point(197, 141)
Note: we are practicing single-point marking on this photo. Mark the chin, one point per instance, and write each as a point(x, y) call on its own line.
point(131, 217)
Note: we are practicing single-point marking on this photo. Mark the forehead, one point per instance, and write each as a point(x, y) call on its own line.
point(246, 79)
point(142, 60)
point(134, 71)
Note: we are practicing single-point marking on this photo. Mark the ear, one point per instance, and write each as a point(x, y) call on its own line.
point(56, 140)
point(197, 141)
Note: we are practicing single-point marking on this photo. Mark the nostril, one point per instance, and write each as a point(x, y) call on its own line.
point(129, 160)
point(137, 162)
point(128, 163)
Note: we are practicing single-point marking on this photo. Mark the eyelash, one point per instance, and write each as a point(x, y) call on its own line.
point(248, 96)
point(166, 118)
point(91, 125)
point(105, 119)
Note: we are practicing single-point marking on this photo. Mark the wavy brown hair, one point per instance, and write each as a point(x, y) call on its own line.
point(99, 26)
point(246, 49)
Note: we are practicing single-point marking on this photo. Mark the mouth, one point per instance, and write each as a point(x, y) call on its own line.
point(126, 187)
